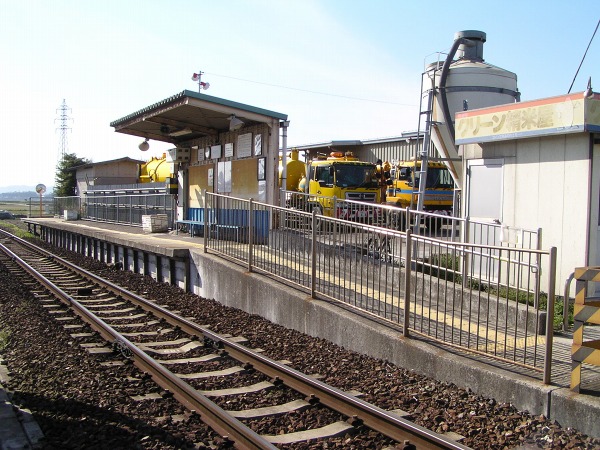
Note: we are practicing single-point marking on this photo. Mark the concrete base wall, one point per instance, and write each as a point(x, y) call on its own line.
point(256, 294)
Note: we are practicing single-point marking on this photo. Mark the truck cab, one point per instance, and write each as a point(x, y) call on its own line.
point(347, 179)
point(406, 176)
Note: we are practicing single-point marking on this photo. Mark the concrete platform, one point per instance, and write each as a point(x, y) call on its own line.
point(231, 285)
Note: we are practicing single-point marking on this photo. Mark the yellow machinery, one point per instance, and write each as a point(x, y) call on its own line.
point(346, 178)
point(155, 170)
point(295, 171)
point(439, 192)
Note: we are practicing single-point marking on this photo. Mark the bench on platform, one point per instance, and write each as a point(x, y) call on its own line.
point(236, 233)
point(194, 222)
point(191, 226)
point(226, 224)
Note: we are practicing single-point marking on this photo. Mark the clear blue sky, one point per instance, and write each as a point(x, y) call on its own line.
point(340, 69)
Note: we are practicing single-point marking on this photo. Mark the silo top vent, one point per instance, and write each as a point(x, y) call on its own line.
point(472, 52)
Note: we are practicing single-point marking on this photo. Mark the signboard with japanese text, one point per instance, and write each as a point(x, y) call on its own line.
point(556, 115)
point(244, 145)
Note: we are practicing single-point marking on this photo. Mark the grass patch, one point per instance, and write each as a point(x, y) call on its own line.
point(11, 228)
point(19, 208)
point(4, 336)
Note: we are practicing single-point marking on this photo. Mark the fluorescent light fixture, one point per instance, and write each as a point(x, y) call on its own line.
point(180, 132)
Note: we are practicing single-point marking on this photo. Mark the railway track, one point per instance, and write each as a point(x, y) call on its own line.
point(193, 364)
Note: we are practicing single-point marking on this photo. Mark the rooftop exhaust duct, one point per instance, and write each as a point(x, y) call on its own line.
point(473, 49)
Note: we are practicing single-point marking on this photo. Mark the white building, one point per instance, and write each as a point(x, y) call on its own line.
point(536, 164)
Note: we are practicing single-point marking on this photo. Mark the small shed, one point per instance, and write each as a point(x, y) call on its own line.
point(112, 172)
point(536, 164)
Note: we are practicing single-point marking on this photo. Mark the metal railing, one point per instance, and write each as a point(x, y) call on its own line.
point(440, 224)
point(70, 204)
point(127, 208)
point(435, 286)
point(38, 207)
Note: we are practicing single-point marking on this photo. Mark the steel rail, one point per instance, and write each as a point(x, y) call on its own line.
point(378, 419)
point(211, 414)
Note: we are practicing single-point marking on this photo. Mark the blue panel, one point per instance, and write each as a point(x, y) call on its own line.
point(196, 214)
point(239, 217)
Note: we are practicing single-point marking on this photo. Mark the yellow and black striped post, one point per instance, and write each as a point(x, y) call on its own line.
point(586, 310)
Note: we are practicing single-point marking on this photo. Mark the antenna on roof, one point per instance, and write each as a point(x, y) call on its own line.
point(197, 77)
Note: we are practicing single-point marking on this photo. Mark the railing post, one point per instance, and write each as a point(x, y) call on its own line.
point(206, 224)
point(566, 301)
point(313, 254)
point(333, 213)
point(550, 317)
point(250, 235)
point(538, 274)
point(407, 276)
point(465, 258)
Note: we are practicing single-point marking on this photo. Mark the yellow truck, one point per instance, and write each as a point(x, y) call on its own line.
point(343, 177)
point(403, 192)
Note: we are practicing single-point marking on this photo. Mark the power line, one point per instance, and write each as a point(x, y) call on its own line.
point(309, 91)
point(586, 50)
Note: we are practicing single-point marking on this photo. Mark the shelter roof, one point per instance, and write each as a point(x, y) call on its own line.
point(111, 161)
point(190, 115)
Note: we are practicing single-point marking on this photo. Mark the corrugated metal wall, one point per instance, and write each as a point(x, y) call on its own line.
point(401, 148)
point(397, 150)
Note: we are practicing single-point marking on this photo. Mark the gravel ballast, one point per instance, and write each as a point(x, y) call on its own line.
point(80, 404)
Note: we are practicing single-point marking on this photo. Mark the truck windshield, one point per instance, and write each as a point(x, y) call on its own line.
point(439, 178)
point(354, 175)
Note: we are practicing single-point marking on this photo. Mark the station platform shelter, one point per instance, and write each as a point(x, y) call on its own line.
point(219, 146)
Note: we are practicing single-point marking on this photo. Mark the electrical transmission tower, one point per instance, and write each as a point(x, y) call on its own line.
point(64, 121)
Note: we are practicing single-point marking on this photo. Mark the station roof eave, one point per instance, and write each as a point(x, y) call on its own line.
point(190, 115)
point(111, 161)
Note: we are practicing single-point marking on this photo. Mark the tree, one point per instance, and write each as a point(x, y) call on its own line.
point(65, 182)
